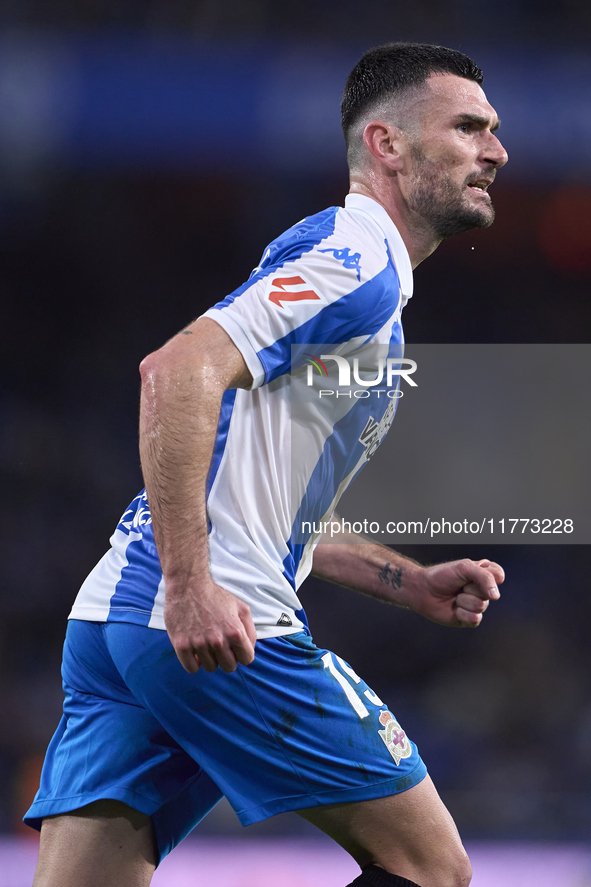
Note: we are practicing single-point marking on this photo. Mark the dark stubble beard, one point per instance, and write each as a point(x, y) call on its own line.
point(440, 203)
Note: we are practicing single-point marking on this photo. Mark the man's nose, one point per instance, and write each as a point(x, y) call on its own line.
point(494, 152)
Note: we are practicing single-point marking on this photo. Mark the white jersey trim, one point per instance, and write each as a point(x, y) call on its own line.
point(376, 211)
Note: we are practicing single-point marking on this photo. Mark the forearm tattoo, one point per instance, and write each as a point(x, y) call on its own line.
point(391, 577)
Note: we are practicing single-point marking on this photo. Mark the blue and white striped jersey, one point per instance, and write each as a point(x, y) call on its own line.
point(334, 283)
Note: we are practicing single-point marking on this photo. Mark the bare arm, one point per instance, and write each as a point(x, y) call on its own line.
point(454, 594)
point(182, 388)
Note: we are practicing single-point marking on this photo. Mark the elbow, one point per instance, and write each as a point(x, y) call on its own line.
point(146, 367)
point(164, 367)
point(150, 367)
point(153, 386)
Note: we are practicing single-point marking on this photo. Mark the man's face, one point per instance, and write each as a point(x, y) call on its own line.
point(453, 157)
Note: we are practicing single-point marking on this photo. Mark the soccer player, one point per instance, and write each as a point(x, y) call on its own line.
point(189, 670)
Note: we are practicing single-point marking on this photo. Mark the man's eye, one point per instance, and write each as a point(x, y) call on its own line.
point(464, 127)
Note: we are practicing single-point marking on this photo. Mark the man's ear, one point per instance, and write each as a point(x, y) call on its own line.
point(386, 143)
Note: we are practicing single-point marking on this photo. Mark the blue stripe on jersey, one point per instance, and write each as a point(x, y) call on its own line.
point(291, 245)
point(289, 573)
point(292, 560)
point(139, 581)
point(221, 438)
point(363, 311)
point(301, 615)
point(289, 566)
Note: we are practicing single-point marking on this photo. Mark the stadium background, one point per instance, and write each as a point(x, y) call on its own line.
point(149, 151)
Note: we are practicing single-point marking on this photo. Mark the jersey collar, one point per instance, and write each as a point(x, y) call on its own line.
point(398, 250)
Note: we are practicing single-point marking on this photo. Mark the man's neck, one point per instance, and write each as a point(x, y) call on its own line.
point(419, 241)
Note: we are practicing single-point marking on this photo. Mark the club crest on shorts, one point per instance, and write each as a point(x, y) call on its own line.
point(394, 737)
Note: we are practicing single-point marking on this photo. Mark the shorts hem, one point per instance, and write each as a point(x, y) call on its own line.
point(334, 796)
point(39, 810)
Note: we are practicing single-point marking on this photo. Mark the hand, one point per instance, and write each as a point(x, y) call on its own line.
point(209, 627)
point(458, 593)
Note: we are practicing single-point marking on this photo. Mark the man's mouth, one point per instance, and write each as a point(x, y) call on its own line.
point(480, 186)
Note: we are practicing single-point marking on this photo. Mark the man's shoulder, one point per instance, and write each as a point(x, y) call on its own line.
point(336, 232)
point(302, 237)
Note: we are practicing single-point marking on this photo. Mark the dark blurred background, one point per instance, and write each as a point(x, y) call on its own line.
point(149, 151)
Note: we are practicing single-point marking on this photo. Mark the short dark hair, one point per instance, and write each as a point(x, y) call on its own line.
point(396, 67)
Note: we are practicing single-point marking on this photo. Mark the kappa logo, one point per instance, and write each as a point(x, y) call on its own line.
point(289, 289)
point(284, 620)
point(348, 260)
point(395, 739)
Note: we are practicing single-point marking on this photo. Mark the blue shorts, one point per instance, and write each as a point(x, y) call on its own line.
point(297, 728)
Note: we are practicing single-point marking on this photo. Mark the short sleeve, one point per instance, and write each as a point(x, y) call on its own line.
point(330, 294)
